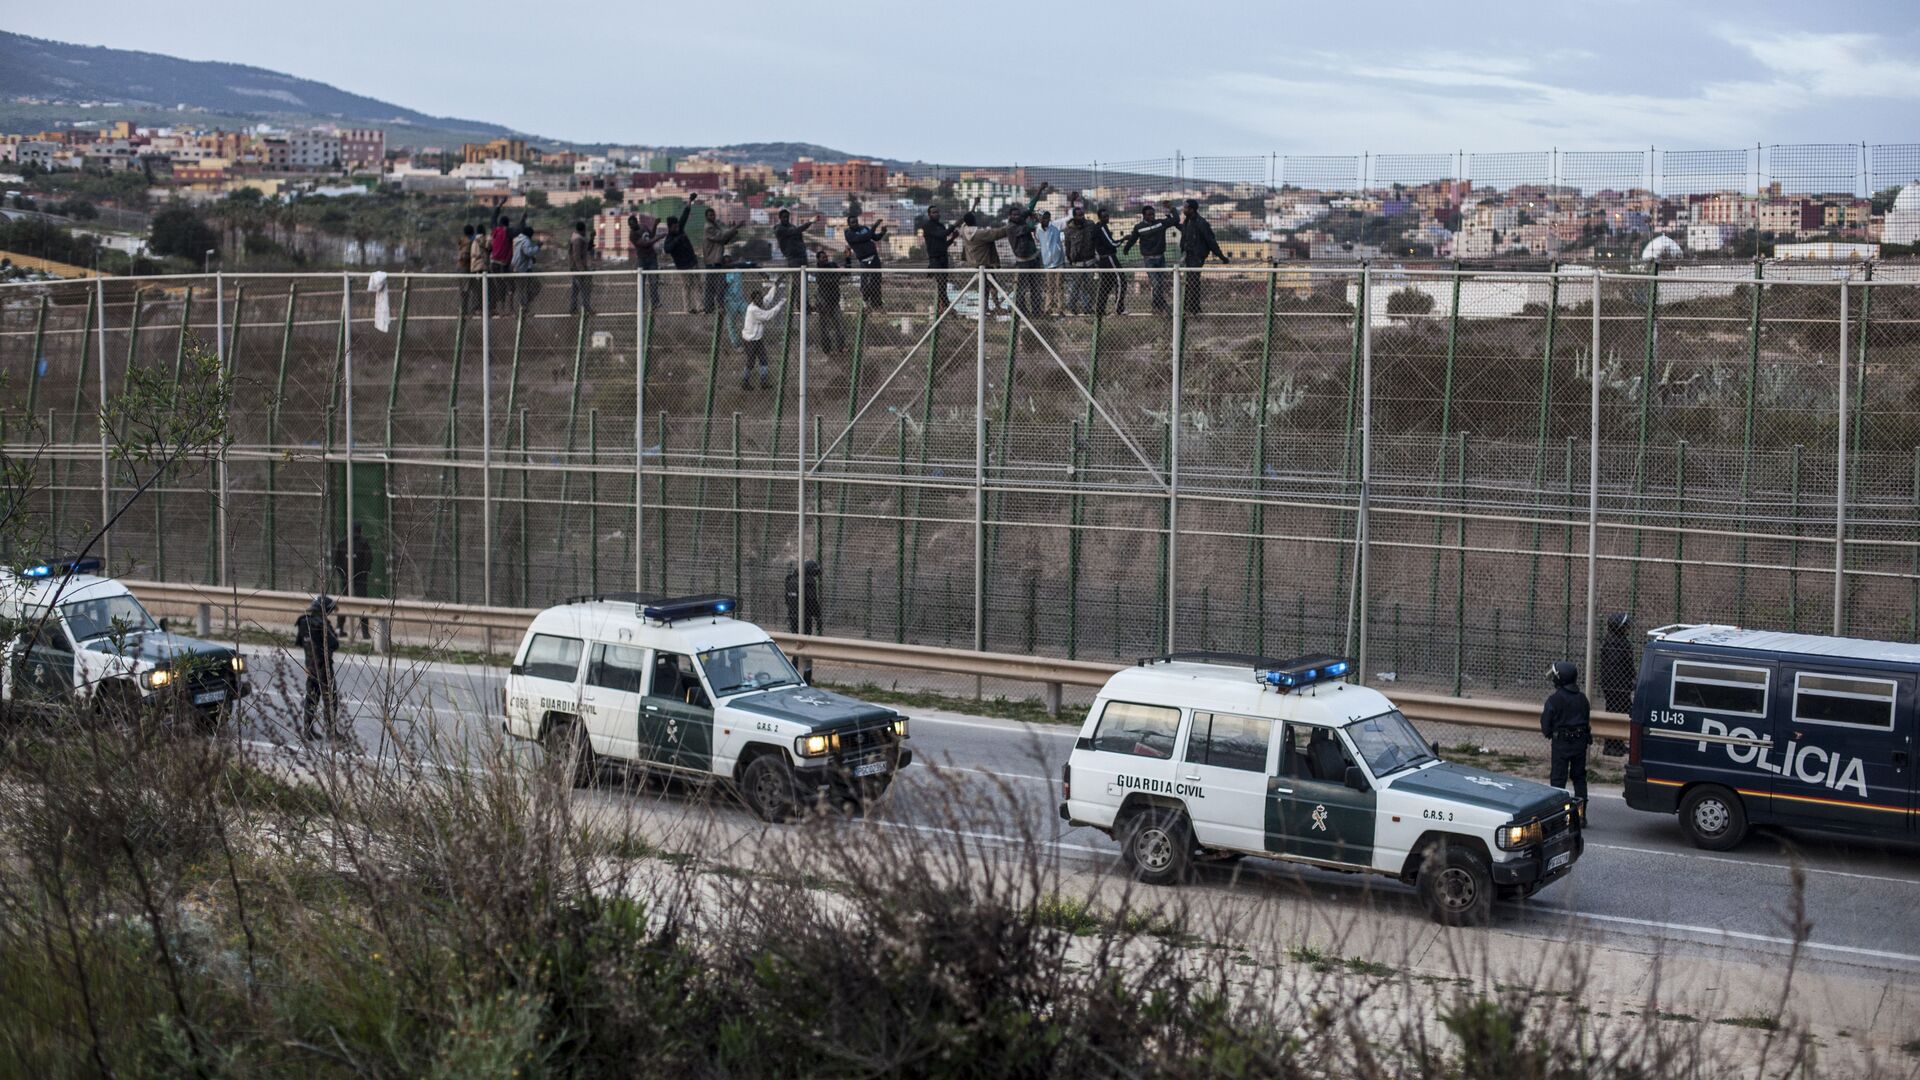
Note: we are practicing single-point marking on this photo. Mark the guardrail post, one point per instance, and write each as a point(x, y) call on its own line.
point(1593, 485)
point(203, 620)
point(1840, 480)
point(1053, 699)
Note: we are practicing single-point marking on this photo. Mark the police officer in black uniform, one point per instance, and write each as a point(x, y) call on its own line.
point(315, 635)
point(812, 625)
point(1566, 722)
point(1618, 672)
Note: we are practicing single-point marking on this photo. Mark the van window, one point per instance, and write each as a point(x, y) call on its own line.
point(1719, 688)
point(1229, 742)
point(1844, 700)
point(617, 667)
point(1140, 730)
point(550, 657)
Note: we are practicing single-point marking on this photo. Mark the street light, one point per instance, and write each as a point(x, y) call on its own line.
point(206, 264)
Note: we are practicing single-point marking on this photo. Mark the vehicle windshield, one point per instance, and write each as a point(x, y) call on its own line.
point(1389, 743)
point(88, 619)
point(760, 666)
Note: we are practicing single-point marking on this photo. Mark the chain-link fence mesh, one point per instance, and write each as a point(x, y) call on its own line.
point(1099, 465)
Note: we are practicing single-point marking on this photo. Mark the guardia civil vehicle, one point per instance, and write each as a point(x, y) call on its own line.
point(74, 637)
point(682, 688)
point(1733, 727)
point(1196, 756)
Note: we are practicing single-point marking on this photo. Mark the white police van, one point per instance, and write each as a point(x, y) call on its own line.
point(680, 687)
point(1734, 727)
point(1208, 755)
point(73, 637)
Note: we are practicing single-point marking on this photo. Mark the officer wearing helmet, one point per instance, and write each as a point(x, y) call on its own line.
point(315, 635)
point(1566, 722)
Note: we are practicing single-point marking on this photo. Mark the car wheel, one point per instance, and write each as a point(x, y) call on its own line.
point(1158, 846)
point(1456, 886)
point(566, 746)
point(1713, 818)
point(767, 787)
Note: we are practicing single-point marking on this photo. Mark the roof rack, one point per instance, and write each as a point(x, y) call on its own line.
point(615, 598)
point(1228, 659)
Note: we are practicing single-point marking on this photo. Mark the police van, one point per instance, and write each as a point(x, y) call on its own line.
point(1199, 756)
point(1733, 728)
point(73, 637)
point(682, 688)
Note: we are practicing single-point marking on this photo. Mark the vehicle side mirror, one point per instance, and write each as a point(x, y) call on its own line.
point(1356, 779)
point(163, 624)
point(515, 669)
point(1435, 744)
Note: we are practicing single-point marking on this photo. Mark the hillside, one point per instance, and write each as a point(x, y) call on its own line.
point(62, 76)
point(71, 82)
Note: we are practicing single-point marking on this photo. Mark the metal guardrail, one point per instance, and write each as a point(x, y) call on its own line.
point(281, 608)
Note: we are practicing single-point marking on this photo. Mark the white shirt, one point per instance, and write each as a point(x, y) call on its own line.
point(755, 325)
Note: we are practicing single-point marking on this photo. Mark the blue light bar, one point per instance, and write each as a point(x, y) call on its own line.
point(1306, 671)
point(691, 607)
point(46, 568)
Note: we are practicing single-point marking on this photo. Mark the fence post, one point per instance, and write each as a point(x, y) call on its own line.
point(1361, 524)
point(346, 324)
point(1173, 463)
point(1593, 484)
point(979, 454)
point(220, 351)
point(1840, 480)
point(640, 427)
point(800, 479)
point(106, 532)
point(486, 443)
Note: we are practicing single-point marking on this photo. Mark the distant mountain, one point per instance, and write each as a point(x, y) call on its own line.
point(94, 83)
point(65, 76)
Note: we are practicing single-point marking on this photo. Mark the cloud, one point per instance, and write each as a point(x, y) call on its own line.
point(1849, 65)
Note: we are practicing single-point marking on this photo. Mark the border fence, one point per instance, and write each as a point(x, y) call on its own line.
point(1453, 474)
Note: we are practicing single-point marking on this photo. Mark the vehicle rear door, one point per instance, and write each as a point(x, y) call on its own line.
point(549, 675)
point(610, 699)
point(676, 716)
point(1846, 759)
point(1227, 763)
point(1311, 812)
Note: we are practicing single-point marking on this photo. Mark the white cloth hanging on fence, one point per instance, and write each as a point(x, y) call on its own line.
point(382, 308)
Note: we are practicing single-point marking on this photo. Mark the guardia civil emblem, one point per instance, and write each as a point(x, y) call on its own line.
point(1320, 817)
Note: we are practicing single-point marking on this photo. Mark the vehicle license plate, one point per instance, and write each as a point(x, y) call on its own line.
point(871, 768)
point(1559, 861)
point(209, 697)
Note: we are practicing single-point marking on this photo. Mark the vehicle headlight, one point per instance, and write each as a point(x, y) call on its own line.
point(239, 664)
point(812, 745)
point(900, 727)
point(1519, 835)
point(158, 678)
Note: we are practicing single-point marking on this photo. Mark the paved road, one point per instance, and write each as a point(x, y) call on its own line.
point(1639, 882)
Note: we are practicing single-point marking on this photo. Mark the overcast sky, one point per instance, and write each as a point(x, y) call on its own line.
point(994, 82)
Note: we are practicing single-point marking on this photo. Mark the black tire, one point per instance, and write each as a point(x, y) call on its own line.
point(1456, 886)
point(1157, 845)
point(767, 787)
point(1713, 818)
point(117, 702)
point(566, 745)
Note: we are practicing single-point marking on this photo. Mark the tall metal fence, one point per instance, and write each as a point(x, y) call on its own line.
point(1454, 474)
